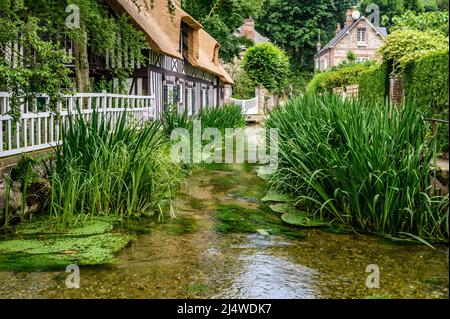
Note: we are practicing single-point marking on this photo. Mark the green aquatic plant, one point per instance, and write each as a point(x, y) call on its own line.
point(362, 165)
point(105, 167)
point(58, 252)
point(236, 219)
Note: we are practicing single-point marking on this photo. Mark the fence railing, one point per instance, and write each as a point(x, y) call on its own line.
point(249, 107)
point(40, 128)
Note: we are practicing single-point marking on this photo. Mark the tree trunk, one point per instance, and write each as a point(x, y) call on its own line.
point(81, 63)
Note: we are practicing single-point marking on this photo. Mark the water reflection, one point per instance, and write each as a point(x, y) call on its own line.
point(263, 275)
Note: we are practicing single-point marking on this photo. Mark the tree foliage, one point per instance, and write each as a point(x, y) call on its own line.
point(294, 25)
point(428, 21)
point(220, 18)
point(267, 65)
point(33, 31)
point(29, 63)
point(394, 8)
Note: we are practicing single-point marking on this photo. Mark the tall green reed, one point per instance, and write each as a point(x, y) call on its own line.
point(365, 166)
point(111, 168)
point(227, 116)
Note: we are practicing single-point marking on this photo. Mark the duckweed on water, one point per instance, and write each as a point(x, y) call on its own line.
point(41, 245)
point(58, 252)
point(236, 219)
point(45, 227)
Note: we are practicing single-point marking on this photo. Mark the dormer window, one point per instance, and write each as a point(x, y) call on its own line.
point(361, 36)
point(184, 40)
point(216, 54)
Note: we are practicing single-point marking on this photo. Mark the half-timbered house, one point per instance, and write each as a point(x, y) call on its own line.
point(184, 67)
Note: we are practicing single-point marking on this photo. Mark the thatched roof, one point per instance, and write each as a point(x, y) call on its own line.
point(162, 31)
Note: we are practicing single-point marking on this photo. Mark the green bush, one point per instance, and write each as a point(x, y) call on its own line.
point(228, 116)
point(357, 164)
point(315, 85)
point(345, 76)
point(374, 84)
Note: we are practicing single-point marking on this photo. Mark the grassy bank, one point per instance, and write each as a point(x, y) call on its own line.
point(360, 165)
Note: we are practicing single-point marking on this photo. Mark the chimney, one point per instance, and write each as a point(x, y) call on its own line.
point(349, 20)
point(248, 29)
point(338, 28)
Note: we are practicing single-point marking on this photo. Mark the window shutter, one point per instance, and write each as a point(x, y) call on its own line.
point(175, 94)
point(165, 96)
point(193, 101)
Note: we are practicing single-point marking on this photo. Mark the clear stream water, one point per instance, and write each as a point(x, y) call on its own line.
point(204, 263)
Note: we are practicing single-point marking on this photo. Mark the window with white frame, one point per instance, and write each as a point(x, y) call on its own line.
point(203, 98)
point(189, 101)
point(361, 36)
point(362, 59)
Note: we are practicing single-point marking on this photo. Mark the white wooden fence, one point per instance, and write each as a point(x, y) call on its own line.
point(249, 107)
point(39, 128)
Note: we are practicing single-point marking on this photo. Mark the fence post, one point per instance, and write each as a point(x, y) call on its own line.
point(104, 103)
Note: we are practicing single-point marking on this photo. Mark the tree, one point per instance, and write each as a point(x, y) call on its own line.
point(29, 63)
point(294, 25)
point(392, 8)
point(267, 65)
point(220, 18)
point(427, 21)
point(404, 46)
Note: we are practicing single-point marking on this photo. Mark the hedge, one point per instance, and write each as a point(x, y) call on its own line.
point(426, 81)
point(339, 76)
point(374, 84)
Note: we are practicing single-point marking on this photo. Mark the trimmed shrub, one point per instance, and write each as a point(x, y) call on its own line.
point(315, 85)
point(426, 81)
point(374, 84)
point(267, 65)
point(339, 76)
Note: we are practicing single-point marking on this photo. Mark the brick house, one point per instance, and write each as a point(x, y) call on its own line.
point(247, 30)
point(359, 36)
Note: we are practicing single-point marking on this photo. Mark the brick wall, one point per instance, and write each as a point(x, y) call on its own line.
point(396, 90)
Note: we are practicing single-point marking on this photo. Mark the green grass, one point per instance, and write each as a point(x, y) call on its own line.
point(361, 165)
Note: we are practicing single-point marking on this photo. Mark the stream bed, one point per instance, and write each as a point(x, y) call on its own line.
point(195, 255)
